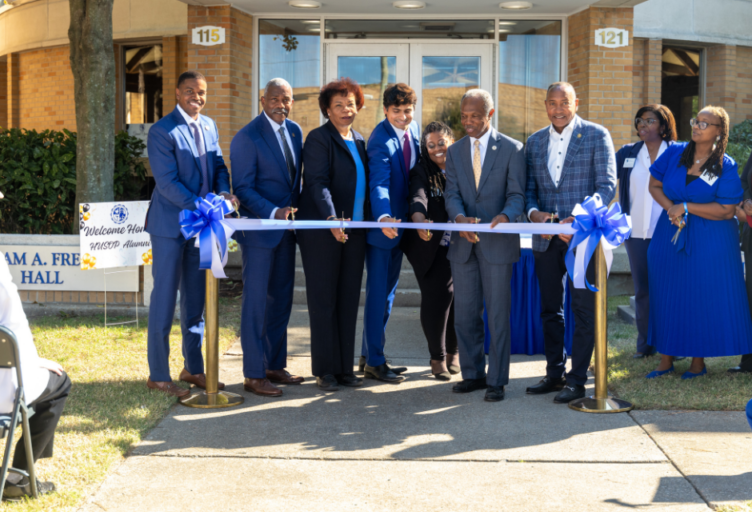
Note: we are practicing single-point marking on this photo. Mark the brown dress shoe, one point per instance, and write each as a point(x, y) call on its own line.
point(197, 380)
point(168, 387)
point(261, 387)
point(283, 377)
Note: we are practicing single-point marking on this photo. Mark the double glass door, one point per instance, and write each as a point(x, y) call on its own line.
point(440, 73)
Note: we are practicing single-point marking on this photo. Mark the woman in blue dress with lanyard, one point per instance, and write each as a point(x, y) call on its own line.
point(698, 303)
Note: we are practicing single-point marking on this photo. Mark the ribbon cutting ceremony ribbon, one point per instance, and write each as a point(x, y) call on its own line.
point(592, 222)
point(208, 225)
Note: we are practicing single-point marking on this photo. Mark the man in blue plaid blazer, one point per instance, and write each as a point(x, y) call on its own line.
point(566, 162)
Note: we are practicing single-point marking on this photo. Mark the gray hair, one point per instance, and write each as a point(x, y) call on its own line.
point(562, 86)
point(276, 82)
point(488, 102)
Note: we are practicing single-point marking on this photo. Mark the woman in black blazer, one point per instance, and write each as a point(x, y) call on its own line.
point(656, 128)
point(427, 251)
point(335, 184)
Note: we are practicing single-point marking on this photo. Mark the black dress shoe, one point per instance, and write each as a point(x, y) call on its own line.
point(547, 385)
point(382, 373)
point(569, 393)
point(327, 383)
point(738, 369)
point(16, 489)
point(469, 385)
point(362, 363)
point(349, 380)
point(494, 394)
point(399, 370)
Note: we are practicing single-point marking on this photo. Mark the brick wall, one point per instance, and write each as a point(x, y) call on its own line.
point(721, 73)
point(744, 83)
point(3, 94)
point(646, 74)
point(11, 90)
point(227, 68)
point(602, 77)
point(45, 89)
point(174, 62)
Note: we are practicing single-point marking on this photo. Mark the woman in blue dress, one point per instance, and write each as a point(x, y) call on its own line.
point(698, 303)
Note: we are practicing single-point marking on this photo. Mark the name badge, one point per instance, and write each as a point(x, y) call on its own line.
point(707, 178)
point(629, 163)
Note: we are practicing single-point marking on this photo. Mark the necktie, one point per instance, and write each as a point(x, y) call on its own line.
point(476, 163)
point(288, 154)
point(407, 152)
point(205, 189)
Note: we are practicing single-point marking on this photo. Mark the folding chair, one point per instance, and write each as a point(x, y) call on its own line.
point(10, 358)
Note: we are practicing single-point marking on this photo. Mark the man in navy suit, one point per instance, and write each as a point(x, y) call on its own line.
point(266, 171)
point(566, 162)
point(187, 164)
point(393, 149)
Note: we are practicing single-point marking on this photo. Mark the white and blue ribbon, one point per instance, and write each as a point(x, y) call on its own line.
point(592, 223)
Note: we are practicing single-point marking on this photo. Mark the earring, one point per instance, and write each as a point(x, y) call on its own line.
point(718, 138)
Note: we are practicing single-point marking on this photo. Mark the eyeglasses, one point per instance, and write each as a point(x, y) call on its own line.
point(702, 125)
point(640, 122)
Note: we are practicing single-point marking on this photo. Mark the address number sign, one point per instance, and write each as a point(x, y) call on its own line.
point(611, 37)
point(208, 36)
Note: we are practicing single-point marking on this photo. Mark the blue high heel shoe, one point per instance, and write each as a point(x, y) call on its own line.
point(656, 373)
point(690, 375)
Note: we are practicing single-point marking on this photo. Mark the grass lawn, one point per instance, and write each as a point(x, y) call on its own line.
point(717, 391)
point(110, 409)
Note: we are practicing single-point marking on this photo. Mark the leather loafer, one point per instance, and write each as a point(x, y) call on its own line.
point(469, 385)
point(283, 377)
point(262, 387)
point(198, 380)
point(547, 385)
point(327, 383)
point(569, 393)
point(399, 370)
point(362, 363)
point(738, 369)
point(169, 388)
point(349, 380)
point(382, 373)
point(494, 394)
point(16, 489)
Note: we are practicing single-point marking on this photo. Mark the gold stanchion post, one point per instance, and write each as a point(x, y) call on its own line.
point(600, 402)
point(212, 398)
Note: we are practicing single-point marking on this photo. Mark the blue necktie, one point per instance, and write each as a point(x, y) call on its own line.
point(202, 158)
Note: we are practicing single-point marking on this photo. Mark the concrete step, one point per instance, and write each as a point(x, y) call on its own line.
point(407, 279)
point(627, 314)
point(404, 298)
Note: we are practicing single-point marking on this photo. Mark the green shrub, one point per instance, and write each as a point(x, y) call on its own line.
point(740, 143)
point(38, 179)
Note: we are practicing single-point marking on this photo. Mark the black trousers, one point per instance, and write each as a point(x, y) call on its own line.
point(637, 251)
point(334, 273)
point(47, 411)
point(746, 362)
point(552, 275)
point(437, 306)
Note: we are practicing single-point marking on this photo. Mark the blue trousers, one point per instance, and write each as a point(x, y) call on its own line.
point(268, 284)
point(637, 250)
point(383, 267)
point(175, 266)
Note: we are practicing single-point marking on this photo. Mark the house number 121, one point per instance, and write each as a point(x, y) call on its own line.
point(611, 37)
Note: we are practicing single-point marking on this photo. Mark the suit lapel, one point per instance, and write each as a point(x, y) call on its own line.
point(466, 156)
point(492, 151)
point(185, 130)
point(542, 157)
point(574, 146)
point(205, 134)
point(296, 147)
point(393, 135)
point(339, 140)
point(271, 140)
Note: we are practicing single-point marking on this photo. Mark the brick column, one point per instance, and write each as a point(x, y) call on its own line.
point(653, 71)
point(721, 85)
point(12, 91)
point(227, 68)
point(3, 94)
point(602, 77)
point(173, 64)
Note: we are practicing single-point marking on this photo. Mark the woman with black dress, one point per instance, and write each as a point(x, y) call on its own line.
point(427, 250)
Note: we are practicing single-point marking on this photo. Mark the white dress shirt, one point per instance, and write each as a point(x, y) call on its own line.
point(644, 210)
point(275, 129)
point(13, 317)
point(191, 123)
point(558, 143)
point(483, 147)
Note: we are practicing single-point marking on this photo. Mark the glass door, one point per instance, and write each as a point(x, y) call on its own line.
point(373, 66)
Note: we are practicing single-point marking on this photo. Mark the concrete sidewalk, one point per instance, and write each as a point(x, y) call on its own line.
point(417, 446)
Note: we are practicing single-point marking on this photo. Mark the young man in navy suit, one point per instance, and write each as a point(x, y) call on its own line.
point(187, 164)
point(266, 171)
point(393, 149)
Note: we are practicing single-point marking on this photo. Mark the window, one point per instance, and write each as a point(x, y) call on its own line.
point(290, 49)
point(143, 84)
point(529, 61)
point(409, 29)
point(680, 90)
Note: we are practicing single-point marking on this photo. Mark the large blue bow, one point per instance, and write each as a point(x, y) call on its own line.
point(206, 221)
point(593, 221)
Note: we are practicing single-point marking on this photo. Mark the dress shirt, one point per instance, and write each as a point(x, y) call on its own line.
point(194, 122)
point(483, 147)
point(275, 129)
point(13, 317)
point(413, 156)
point(644, 209)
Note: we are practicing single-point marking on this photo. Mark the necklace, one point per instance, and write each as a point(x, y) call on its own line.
point(701, 159)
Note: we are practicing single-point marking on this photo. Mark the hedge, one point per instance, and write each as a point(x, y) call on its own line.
point(38, 179)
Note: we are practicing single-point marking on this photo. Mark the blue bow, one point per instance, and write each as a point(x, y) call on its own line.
point(593, 221)
point(206, 222)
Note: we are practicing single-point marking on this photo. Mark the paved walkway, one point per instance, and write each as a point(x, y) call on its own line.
point(417, 446)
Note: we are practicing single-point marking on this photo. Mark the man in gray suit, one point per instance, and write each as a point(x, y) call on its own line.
point(485, 183)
